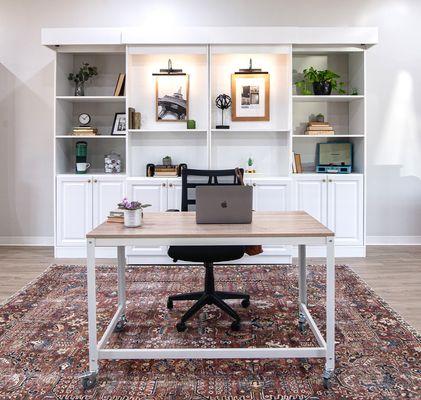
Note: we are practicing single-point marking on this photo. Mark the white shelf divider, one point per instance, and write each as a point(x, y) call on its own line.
point(90, 137)
point(328, 136)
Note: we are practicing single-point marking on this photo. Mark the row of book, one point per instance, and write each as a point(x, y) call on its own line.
point(134, 119)
point(297, 167)
point(315, 128)
point(120, 85)
point(166, 170)
point(84, 131)
point(116, 216)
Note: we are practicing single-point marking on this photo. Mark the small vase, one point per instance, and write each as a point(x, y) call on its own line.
point(322, 88)
point(133, 218)
point(80, 89)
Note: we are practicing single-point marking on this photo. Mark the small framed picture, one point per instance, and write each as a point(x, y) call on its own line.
point(172, 98)
point(119, 125)
point(250, 97)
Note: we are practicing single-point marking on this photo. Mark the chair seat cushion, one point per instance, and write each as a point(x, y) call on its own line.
point(206, 253)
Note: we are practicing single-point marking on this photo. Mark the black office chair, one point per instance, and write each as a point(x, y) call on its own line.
point(191, 178)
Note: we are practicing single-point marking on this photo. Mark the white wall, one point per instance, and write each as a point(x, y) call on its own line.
point(26, 93)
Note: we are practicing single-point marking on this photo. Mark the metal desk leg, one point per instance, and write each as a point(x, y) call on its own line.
point(330, 313)
point(121, 277)
point(89, 379)
point(302, 285)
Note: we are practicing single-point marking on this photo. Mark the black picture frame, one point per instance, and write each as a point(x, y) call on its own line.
point(118, 129)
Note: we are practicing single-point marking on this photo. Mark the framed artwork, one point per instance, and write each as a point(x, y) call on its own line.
point(119, 124)
point(172, 98)
point(250, 97)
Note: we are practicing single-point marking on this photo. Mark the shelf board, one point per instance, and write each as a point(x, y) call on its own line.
point(331, 98)
point(167, 130)
point(90, 137)
point(250, 130)
point(327, 136)
point(82, 99)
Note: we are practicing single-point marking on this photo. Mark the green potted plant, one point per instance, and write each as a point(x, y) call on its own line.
point(86, 72)
point(323, 82)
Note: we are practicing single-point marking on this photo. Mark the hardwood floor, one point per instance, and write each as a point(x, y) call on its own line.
point(394, 272)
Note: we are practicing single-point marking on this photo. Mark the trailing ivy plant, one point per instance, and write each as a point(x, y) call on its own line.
point(312, 75)
point(86, 72)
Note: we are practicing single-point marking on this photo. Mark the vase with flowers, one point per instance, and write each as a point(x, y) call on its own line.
point(133, 212)
point(85, 73)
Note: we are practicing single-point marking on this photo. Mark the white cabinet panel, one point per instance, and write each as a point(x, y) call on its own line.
point(310, 195)
point(174, 194)
point(108, 191)
point(74, 209)
point(271, 194)
point(345, 209)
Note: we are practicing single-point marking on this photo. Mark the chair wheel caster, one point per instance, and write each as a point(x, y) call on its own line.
point(170, 304)
point(236, 325)
point(121, 324)
point(326, 383)
point(302, 326)
point(88, 381)
point(181, 327)
point(245, 303)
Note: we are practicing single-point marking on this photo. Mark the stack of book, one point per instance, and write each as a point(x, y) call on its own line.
point(166, 170)
point(116, 216)
point(84, 131)
point(315, 128)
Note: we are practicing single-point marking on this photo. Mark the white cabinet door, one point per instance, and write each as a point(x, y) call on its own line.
point(152, 191)
point(74, 209)
point(108, 191)
point(174, 194)
point(310, 195)
point(345, 209)
point(271, 194)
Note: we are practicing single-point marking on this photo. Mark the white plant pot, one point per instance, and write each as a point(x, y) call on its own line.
point(133, 218)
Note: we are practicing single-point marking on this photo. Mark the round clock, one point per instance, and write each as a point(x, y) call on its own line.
point(84, 119)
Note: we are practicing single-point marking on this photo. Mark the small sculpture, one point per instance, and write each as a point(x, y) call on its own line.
point(223, 102)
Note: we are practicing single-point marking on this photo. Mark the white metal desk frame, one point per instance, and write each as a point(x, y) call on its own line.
point(98, 350)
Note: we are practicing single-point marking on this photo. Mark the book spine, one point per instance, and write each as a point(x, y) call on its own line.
point(136, 124)
point(316, 133)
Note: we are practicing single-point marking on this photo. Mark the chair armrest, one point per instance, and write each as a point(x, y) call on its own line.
point(172, 210)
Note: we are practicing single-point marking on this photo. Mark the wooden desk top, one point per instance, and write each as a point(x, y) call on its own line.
point(183, 225)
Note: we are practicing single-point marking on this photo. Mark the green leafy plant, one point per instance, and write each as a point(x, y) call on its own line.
point(312, 75)
point(86, 72)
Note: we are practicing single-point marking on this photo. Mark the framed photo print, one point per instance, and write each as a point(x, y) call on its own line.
point(119, 125)
point(172, 98)
point(250, 97)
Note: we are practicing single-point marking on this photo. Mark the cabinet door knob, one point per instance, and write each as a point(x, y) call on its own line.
point(89, 181)
point(324, 180)
point(170, 185)
point(330, 180)
point(95, 180)
point(164, 184)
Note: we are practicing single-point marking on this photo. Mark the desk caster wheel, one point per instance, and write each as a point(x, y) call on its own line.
point(88, 381)
point(245, 303)
point(235, 326)
point(301, 326)
point(181, 327)
point(170, 304)
point(326, 383)
point(120, 325)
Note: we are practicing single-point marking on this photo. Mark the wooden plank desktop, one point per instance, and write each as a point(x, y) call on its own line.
point(183, 225)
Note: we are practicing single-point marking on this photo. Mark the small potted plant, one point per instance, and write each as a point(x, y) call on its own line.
point(86, 72)
point(133, 212)
point(323, 82)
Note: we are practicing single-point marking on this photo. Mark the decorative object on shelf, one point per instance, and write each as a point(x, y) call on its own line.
point(116, 217)
point(171, 94)
point(164, 170)
point(84, 119)
point(166, 161)
point(112, 163)
point(315, 128)
point(120, 85)
point(223, 102)
point(250, 91)
point(150, 170)
point(119, 124)
point(250, 169)
point(191, 124)
point(298, 165)
point(334, 158)
point(133, 212)
point(81, 165)
point(136, 120)
point(320, 118)
point(323, 82)
point(83, 129)
point(354, 92)
point(86, 72)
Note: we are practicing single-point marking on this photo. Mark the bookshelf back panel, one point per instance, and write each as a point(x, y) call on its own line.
point(152, 147)
point(109, 67)
point(142, 87)
point(278, 66)
point(269, 151)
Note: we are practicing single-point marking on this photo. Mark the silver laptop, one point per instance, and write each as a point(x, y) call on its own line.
point(217, 204)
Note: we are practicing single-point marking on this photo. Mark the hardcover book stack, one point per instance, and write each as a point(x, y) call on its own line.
point(315, 128)
point(166, 170)
point(116, 216)
point(84, 131)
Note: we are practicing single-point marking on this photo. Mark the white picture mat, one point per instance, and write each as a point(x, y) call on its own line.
point(258, 110)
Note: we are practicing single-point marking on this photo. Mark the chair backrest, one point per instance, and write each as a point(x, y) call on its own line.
point(191, 178)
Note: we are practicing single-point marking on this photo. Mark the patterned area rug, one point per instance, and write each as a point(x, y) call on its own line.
point(43, 338)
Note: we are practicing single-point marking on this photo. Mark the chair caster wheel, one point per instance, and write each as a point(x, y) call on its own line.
point(120, 325)
point(245, 303)
point(236, 325)
point(326, 383)
point(170, 304)
point(302, 326)
point(88, 381)
point(181, 327)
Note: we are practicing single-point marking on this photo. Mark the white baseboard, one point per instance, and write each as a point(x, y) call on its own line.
point(394, 240)
point(26, 241)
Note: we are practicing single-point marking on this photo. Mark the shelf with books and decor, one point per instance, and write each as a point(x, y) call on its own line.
point(83, 99)
point(176, 130)
point(330, 98)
